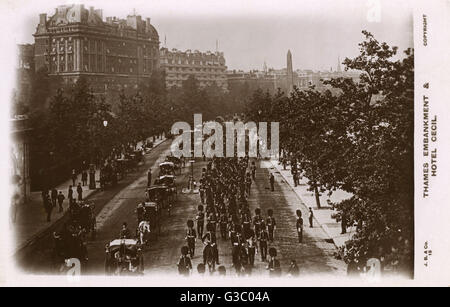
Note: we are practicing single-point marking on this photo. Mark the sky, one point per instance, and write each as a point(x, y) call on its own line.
point(250, 32)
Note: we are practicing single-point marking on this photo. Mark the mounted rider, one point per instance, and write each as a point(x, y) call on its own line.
point(125, 233)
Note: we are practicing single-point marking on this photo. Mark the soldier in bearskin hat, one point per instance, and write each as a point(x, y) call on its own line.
point(184, 264)
point(271, 224)
point(191, 235)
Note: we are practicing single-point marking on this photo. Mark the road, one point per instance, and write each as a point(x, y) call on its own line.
point(314, 255)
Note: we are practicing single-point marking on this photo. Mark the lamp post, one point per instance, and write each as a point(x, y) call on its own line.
point(191, 187)
point(92, 182)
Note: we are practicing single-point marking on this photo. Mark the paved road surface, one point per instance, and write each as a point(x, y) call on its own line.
point(315, 255)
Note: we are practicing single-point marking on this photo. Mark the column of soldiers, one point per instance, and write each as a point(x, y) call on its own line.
point(224, 187)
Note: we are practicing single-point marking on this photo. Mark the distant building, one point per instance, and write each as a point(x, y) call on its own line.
point(113, 55)
point(207, 67)
point(285, 79)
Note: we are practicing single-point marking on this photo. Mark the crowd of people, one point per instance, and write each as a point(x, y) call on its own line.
point(224, 211)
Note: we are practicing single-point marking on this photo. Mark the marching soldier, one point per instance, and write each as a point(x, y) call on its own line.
point(257, 220)
point(200, 220)
point(299, 226)
point(271, 224)
point(263, 238)
point(212, 220)
point(202, 190)
point(251, 250)
point(248, 184)
point(191, 235)
point(184, 264)
point(209, 239)
point(223, 221)
point(246, 225)
point(294, 271)
point(274, 264)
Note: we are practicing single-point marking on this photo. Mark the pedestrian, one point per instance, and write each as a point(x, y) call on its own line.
point(294, 271)
point(48, 207)
point(149, 178)
point(272, 182)
point(54, 196)
point(311, 216)
point(44, 196)
point(74, 177)
point(61, 198)
point(343, 223)
point(80, 192)
point(84, 178)
point(299, 226)
point(184, 264)
point(70, 194)
point(295, 178)
point(271, 224)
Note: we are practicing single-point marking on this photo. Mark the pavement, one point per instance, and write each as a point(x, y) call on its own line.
point(31, 218)
point(323, 215)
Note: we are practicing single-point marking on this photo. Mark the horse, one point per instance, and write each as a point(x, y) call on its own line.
point(144, 232)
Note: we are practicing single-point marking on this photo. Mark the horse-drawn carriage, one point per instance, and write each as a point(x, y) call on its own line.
point(158, 194)
point(166, 168)
point(176, 162)
point(124, 257)
point(108, 175)
point(69, 243)
point(149, 221)
point(82, 216)
point(169, 182)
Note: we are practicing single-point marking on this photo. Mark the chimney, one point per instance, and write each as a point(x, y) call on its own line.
point(42, 19)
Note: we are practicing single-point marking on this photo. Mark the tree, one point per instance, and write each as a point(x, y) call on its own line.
point(358, 137)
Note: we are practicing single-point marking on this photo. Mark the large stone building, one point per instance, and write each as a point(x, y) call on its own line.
point(113, 55)
point(207, 67)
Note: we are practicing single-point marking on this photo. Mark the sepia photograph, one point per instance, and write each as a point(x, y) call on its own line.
point(213, 140)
